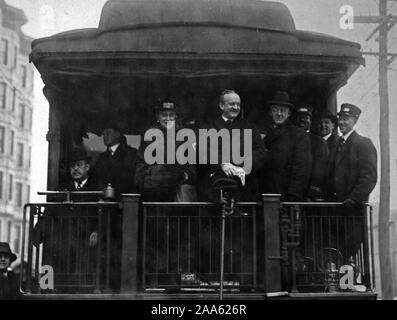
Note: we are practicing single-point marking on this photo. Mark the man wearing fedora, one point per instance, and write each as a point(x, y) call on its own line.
point(9, 285)
point(352, 168)
point(287, 168)
point(116, 164)
point(319, 150)
point(327, 123)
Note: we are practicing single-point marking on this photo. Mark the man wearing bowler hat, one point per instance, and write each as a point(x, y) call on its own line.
point(319, 150)
point(9, 285)
point(287, 168)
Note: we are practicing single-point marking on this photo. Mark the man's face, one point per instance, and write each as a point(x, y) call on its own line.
point(326, 126)
point(79, 170)
point(166, 118)
point(230, 106)
point(5, 261)
point(279, 114)
point(304, 121)
point(111, 137)
point(346, 123)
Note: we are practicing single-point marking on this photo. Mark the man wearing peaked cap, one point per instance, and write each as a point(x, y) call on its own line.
point(352, 169)
point(286, 170)
point(9, 287)
point(319, 151)
point(350, 178)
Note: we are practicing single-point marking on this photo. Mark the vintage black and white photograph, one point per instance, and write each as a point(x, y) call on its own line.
point(198, 150)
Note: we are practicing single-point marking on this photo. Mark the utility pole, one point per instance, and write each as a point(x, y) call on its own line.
point(385, 22)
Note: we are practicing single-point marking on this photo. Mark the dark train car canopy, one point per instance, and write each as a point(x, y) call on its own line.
point(188, 51)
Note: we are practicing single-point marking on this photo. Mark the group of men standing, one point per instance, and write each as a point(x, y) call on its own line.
point(287, 159)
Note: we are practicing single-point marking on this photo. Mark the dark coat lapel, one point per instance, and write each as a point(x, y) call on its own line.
point(346, 148)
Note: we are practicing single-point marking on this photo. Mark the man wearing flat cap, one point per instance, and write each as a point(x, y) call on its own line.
point(9, 285)
point(352, 168)
point(319, 150)
point(287, 168)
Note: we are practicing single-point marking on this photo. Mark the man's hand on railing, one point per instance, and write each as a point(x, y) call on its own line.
point(93, 239)
point(349, 203)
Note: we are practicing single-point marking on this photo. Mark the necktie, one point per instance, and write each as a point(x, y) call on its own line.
point(341, 143)
point(79, 185)
point(229, 123)
point(110, 152)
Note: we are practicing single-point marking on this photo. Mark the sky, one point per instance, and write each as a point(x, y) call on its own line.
point(47, 17)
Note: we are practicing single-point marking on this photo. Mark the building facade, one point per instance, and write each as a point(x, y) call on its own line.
point(16, 110)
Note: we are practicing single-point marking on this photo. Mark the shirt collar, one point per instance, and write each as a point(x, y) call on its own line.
point(347, 135)
point(82, 183)
point(226, 119)
point(114, 147)
point(327, 136)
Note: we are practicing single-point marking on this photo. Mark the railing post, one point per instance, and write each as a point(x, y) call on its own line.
point(129, 255)
point(271, 229)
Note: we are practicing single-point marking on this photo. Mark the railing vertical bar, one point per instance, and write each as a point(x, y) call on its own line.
point(108, 245)
point(293, 219)
point(230, 242)
point(199, 238)
point(87, 270)
point(28, 272)
point(157, 245)
point(188, 243)
point(69, 240)
point(366, 248)
point(78, 246)
point(98, 253)
point(373, 284)
point(168, 244)
point(30, 251)
point(315, 262)
point(210, 242)
point(178, 242)
point(144, 226)
point(254, 253)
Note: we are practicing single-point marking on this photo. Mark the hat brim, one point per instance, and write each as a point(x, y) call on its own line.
point(348, 114)
point(280, 103)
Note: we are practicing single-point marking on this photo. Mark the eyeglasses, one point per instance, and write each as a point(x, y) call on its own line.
point(78, 164)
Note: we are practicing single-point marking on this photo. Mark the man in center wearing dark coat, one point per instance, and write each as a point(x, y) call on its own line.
point(116, 166)
point(229, 118)
point(287, 168)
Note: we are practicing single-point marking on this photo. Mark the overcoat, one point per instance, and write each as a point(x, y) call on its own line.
point(352, 172)
point(288, 165)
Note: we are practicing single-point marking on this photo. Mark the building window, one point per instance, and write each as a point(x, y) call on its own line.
point(14, 99)
point(3, 94)
point(16, 51)
point(23, 76)
point(2, 139)
point(29, 157)
point(4, 51)
point(12, 141)
point(20, 154)
point(9, 228)
point(21, 115)
point(17, 238)
point(1, 184)
point(19, 193)
point(10, 186)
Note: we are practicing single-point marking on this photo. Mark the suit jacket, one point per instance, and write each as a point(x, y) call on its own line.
point(9, 287)
point(117, 169)
point(352, 173)
point(289, 160)
point(332, 142)
point(250, 191)
point(319, 150)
